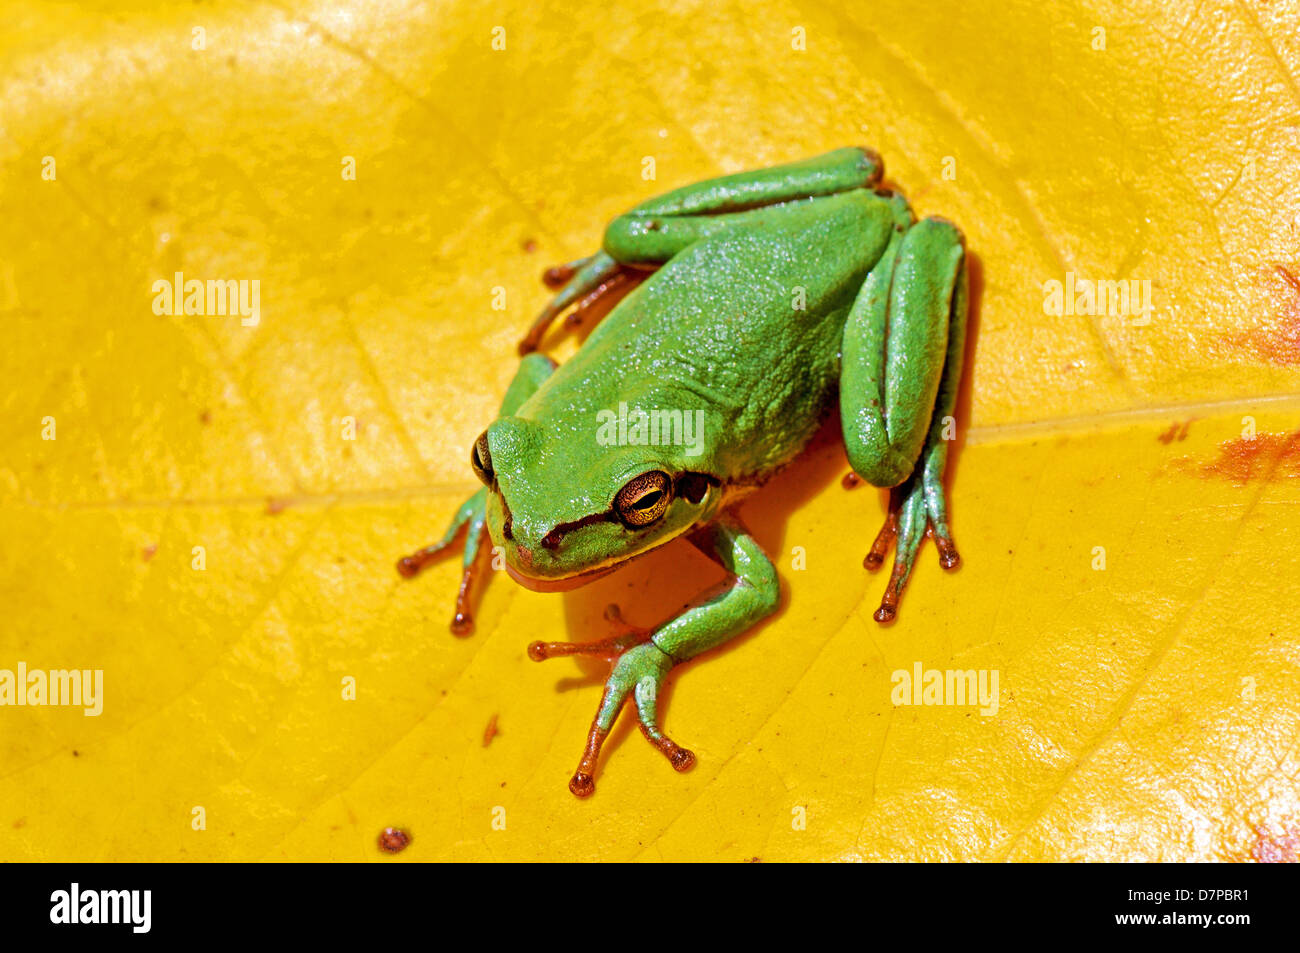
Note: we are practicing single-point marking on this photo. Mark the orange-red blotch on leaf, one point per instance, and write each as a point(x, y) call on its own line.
point(1265, 455)
point(393, 840)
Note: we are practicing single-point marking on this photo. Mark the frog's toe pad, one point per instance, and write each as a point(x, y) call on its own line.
point(949, 558)
point(557, 276)
point(682, 759)
point(582, 785)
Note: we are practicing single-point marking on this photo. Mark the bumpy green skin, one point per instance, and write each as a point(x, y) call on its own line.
point(719, 328)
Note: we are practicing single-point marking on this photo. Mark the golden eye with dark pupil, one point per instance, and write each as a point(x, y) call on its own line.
point(481, 460)
point(644, 499)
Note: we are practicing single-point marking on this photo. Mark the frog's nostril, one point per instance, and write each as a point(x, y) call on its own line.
point(525, 556)
point(552, 539)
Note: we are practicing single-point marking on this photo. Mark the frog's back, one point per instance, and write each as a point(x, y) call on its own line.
point(744, 325)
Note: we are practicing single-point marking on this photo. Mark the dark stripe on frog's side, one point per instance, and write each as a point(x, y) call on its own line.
point(552, 539)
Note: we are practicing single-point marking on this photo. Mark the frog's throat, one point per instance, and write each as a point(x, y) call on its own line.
point(560, 584)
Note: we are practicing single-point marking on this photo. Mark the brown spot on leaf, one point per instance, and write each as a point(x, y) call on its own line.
point(1176, 431)
point(147, 552)
point(276, 505)
point(490, 731)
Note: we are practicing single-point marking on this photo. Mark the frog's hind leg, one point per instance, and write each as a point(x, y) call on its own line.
point(902, 360)
point(557, 276)
point(592, 286)
point(576, 281)
point(655, 230)
point(601, 300)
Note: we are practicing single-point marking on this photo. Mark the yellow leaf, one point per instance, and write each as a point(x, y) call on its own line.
point(1148, 709)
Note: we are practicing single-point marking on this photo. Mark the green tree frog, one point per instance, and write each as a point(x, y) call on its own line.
point(729, 317)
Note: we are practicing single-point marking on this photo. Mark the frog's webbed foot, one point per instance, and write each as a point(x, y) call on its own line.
point(639, 670)
point(592, 286)
point(912, 310)
point(916, 509)
point(470, 522)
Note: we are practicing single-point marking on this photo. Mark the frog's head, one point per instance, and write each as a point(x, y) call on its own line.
point(564, 508)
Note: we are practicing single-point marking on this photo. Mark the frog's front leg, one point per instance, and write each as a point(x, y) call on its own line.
point(644, 657)
point(901, 363)
point(471, 518)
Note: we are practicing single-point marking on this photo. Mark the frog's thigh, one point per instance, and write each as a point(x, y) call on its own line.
point(840, 170)
point(895, 347)
point(657, 229)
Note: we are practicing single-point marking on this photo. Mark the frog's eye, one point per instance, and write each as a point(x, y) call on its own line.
point(644, 499)
point(481, 460)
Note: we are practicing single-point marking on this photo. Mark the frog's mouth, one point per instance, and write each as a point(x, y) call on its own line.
point(560, 584)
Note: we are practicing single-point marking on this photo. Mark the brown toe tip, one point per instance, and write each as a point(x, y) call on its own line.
point(537, 651)
point(885, 614)
point(950, 560)
point(462, 623)
point(873, 561)
point(682, 760)
point(582, 785)
point(407, 567)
